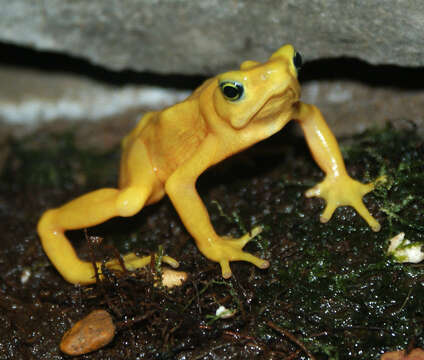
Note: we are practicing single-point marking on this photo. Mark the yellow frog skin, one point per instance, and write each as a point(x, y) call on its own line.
point(168, 150)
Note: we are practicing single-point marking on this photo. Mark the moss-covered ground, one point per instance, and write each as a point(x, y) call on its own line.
point(330, 292)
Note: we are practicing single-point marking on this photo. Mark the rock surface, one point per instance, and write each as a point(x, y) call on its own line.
point(208, 36)
point(29, 98)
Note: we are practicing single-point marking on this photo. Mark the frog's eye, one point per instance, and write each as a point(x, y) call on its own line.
point(297, 61)
point(232, 90)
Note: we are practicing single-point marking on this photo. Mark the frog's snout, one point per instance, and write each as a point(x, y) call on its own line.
point(290, 56)
point(285, 52)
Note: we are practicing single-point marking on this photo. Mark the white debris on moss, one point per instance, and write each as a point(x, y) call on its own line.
point(223, 313)
point(404, 251)
point(25, 275)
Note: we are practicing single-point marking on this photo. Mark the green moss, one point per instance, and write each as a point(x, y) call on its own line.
point(339, 283)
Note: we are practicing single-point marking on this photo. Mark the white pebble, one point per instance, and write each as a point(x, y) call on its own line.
point(25, 275)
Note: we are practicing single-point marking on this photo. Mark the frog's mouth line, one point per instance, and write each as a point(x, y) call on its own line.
point(277, 104)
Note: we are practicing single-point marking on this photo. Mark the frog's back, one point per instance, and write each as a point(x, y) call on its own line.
point(173, 135)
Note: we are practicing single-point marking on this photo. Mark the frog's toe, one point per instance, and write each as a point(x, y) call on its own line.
point(380, 180)
point(366, 188)
point(313, 192)
point(242, 256)
point(242, 241)
point(258, 262)
point(248, 257)
point(225, 269)
point(365, 214)
point(328, 211)
point(231, 250)
point(375, 225)
point(133, 262)
point(170, 261)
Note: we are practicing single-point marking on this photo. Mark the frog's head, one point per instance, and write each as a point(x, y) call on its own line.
point(259, 90)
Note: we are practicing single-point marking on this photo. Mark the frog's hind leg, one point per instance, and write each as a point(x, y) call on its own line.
point(89, 210)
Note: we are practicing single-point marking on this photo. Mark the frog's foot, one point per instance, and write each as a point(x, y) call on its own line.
point(227, 249)
point(341, 191)
point(133, 262)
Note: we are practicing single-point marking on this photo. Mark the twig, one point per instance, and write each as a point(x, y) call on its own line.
point(118, 257)
point(292, 338)
point(91, 253)
point(238, 336)
point(293, 355)
point(130, 322)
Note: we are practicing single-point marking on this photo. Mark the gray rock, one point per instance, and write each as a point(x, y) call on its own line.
point(101, 114)
point(29, 98)
point(350, 107)
point(208, 36)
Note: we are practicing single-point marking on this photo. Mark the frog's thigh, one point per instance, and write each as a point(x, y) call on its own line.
point(138, 182)
point(100, 205)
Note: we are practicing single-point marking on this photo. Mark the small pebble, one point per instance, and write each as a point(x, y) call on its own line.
point(415, 354)
point(171, 278)
point(25, 275)
point(89, 334)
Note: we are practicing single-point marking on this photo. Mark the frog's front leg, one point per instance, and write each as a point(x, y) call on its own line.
point(181, 189)
point(338, 188)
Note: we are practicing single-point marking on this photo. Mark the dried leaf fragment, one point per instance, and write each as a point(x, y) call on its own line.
point(89, 334)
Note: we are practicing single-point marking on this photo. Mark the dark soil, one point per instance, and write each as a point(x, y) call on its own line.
point(330, 291)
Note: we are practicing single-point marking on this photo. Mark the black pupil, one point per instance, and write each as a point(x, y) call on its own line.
point(231, 91)
point(297, 61)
